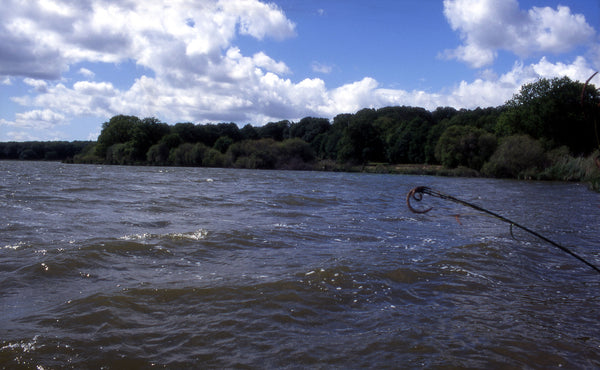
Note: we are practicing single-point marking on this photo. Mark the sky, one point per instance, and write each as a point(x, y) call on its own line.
point(67, 66)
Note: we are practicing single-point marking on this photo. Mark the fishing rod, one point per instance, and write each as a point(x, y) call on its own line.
point(582, 102)
point(417, 194)
point(585, 113)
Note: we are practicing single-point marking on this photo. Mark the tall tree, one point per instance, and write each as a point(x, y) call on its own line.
point(309, 128)
point(465, 146)
point(147, 133)
point(551, 110)
point(119, 129)
point(361, 141)
point(274, 130)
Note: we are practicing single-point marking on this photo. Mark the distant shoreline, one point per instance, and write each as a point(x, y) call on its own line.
point(370, 168)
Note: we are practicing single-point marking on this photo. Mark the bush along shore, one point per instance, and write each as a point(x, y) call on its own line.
point(548, 131)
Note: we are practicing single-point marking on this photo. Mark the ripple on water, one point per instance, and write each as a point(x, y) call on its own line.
point(274, 269)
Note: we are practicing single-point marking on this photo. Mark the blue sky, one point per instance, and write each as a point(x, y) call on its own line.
point(66, 67)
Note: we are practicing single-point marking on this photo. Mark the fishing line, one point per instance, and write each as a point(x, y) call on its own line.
point(417, 194)
point(582, 102)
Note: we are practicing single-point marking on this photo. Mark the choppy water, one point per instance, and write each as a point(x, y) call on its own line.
point(107, 266)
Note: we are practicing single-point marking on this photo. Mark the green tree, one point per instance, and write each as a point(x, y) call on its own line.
point(147, 133)
point(390, 118)
point(407, 143)
point(483, 118)
point(309, 128)
point(361, 141)
point(159, 154)
point(119, 129)
point(87, 155)
point(327, 144)
point(517, 156)
point(465, 146)
point(551, 110)
point(294, 154)
point(120, 153)
point(254, 154)
point(274, 130)
point(223, 143)
point(441, 113)
point(187, 154)
point(190, 133)
point(230, 130)
point(28, 154)
point(214, 158)
point(248, 132)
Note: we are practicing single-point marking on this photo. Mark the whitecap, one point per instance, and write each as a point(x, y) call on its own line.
point(16, 246)
point(143, 236)
point(193, 235)
point(24, 346)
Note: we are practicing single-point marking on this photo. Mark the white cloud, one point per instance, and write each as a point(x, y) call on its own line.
point(181, 42)
point(488, 91)
point(262, 60)
point(578, 70)
point(36, 134)
point(354, 96)
point(84, 98)
point(22, 135)
point(261, 96)
point(40, 41)
point(105, 89)
point(558, 30)
point(259, 19)
point(40, 86)
point(36, 119)
point(486, 26)
point(321, 68)
point(86, 72)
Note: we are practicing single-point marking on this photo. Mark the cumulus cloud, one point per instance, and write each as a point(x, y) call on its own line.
point(259, 19)
point(81, 99)
point(197, 73)
point(268, 97)
point(86, 72)
point(486, 26)
point(36, 119)
point(488, 91)
point(40, 39)
point(40, 86)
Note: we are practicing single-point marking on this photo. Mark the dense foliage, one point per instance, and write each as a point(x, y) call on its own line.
point(540, 132)
point(42, 150)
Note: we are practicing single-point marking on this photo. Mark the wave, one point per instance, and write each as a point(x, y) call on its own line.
point(194, 235)
point(338, 314)
point(303, 200)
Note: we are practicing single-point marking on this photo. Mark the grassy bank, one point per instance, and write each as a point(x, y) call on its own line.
point(557, 167)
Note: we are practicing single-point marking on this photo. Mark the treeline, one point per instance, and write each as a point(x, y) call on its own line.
point(546, 131)
point(42, 150)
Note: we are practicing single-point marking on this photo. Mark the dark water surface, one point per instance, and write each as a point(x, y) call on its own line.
point(114, 267)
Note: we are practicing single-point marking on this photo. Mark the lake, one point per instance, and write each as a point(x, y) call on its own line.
point(138, 267)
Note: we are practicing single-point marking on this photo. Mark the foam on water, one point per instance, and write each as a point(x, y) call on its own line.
point(194, 235)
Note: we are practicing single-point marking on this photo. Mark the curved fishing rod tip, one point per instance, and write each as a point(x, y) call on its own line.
point(417, 194)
